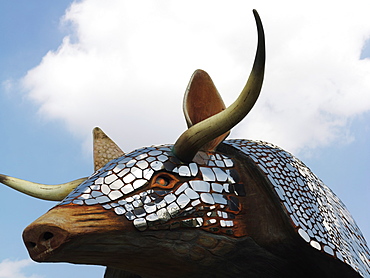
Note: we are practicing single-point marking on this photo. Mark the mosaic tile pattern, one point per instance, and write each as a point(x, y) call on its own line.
point(208, 198)
point(317, 214)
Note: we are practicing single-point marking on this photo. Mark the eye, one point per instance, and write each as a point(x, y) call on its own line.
point(162, 181)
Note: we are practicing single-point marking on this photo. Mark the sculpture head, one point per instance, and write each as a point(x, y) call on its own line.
point(201, 207)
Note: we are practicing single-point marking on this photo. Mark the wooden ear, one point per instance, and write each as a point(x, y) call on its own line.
point(202, 101)
point(104, 149)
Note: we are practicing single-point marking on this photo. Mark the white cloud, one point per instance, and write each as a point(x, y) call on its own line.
point(126, 64)
point(13, 269)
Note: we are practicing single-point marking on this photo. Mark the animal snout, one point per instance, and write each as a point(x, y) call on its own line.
point(41, 240)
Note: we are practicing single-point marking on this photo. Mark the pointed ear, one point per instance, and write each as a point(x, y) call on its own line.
point(202, 101)
point(104, 149)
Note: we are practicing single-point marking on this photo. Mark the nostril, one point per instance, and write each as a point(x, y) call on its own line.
point(31, 244)
point(47, 235)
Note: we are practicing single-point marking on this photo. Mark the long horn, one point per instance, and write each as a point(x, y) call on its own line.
point(190, 142)
point(55, 192)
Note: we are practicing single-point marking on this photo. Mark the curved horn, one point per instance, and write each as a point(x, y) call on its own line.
point(188, 144)
point(55, 192)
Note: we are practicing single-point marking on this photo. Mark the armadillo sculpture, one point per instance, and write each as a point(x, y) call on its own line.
point(203, 207)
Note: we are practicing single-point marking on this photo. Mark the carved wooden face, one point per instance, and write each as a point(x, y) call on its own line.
point(146, 203)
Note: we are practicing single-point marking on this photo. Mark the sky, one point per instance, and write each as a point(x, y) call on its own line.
point(68, 66)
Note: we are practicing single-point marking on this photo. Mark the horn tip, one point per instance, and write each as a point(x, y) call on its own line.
point(2, 178)
point(96, 129)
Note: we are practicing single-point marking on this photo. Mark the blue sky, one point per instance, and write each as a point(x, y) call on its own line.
point(113, 64)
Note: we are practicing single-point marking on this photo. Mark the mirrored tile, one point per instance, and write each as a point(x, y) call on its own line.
point(137, 172)
point(211, 221)
point(191, 193)
point(163, 215)
point(80, 202)
point(148, 173)
point(193, 169)
point(162, 158)
point(118, 168)
point(96, 193)
point(105, 189)
point(139, 183)
point(139, 212)
point(228, 162)
point(183, 200)
point(129, 178)
point(195, 203)
point(119, 210)
point(184, 171)
point(146, 200)
point(207, 198)
point(140, 224)
point(85, 196)
point(142, 164)
point(114, 195)
point(315, 244)
point(217, 187)
point(137, 203)
point(131, 163)
point(219, 198)
point(116, 184)
point(169, 198)
point(107, 206)
point(173, 209)
point(155, 153)
point(123, 172)
point(150, 159)
point(102, 199)
point(304, 235)
point(99, 181)
point(208, 174)
point(95, 187)
point(129, 207)
point(328, 250)
point(149, 208)
point(220, 174)
point(127, 189)
point(200, 186)
point(229, 223)
point(152, 217)
point(156, 165)
point(181, 188)
point(220, 163)
point(141, 156)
